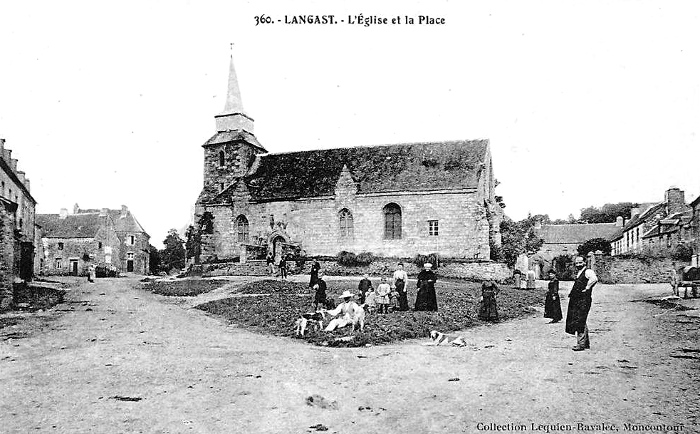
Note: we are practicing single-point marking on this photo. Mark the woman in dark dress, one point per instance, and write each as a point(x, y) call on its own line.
point(315, 268)
point(552, 304)
point(488, 310)
point(426, 298)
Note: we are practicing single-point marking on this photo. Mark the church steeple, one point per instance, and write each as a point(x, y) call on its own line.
point(233, 117)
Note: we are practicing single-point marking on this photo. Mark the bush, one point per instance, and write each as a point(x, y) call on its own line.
point(365, 258)
point(682, 252)
point(433, 258)
point(564, 267)
point(594, 245)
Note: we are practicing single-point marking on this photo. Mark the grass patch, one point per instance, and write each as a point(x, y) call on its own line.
point(276, 313)
point(184, 287)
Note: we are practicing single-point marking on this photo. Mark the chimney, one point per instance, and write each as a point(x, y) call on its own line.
point(21, 177)
point(7, 155)
point(63, 214)
point(620, 222)
point(634, 211)
point(2, 146)
point(26, 183)
point(675, 200)
point(76, 209)
point(125, 210)
point(13, 164)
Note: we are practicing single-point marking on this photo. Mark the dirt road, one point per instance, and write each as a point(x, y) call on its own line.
point(118, 359)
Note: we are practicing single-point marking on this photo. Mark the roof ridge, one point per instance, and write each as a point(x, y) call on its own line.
point(385, 145)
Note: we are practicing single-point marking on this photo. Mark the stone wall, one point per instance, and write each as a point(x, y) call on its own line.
point(314, 223)
point(7, 257)
point(612, 269)
point(379, 267)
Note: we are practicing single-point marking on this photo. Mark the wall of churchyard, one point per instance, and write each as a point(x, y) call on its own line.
point(463, 226)
point(613, 269)
point(379, 267)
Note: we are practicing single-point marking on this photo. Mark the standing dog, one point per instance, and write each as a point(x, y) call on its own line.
point(441, 338)
point(313, 318)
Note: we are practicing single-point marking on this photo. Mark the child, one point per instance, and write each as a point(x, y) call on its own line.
point(370, 300)
point(320, 296)
point(383, 291)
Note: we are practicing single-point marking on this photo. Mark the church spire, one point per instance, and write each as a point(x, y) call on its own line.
point(233, 117)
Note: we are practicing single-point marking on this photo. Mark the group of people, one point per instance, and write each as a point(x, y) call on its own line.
point(392, 296)
point(579, 303)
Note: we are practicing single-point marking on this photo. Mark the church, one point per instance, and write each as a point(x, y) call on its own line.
point(391, 200)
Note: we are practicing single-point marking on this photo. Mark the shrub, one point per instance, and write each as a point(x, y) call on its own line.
point(594, 245)
point(365, 258)
point(682, 252)
point(433, 258)
point(564, 267)
point(347, 259)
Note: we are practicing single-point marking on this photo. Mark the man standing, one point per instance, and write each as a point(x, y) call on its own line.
point(270, 263)
point(580, 303)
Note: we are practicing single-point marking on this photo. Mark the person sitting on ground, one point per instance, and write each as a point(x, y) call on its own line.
point(347, 312)
point(383, 291)
point(320, 296)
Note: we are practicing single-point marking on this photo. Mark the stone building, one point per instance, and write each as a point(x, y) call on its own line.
point(694, 228)
point(654, 226)
point(392, 200)
point(565, 239)
point(17, 226)
point(109, 238)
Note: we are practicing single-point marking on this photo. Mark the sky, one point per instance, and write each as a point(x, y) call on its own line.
point(584, 103)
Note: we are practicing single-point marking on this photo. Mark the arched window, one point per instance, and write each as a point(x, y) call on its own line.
point(242, 228)
point(222, 158)
point(346, 223)
point(392, 222)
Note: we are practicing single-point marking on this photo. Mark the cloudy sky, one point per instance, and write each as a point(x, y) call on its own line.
point(585, 103)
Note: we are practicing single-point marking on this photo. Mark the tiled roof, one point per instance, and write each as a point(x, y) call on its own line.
point(406, 167)
point(575, 233)
point(72, 226)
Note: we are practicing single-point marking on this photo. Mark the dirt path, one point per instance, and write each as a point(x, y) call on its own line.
point(193, 373)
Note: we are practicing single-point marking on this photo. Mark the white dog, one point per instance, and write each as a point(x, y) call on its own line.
point(313, 318)
point(442, 338)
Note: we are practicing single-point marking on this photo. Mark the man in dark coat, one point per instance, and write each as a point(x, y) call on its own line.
point(364, 286)
point(552, 304)
point(320, 296)
point(426, 298)
point(580, 303)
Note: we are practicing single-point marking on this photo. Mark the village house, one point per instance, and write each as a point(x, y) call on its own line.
point(658, 226)
point(694, 228)
point(17, 226)
point(392, 200)
point(109, 238)
point(565, 239)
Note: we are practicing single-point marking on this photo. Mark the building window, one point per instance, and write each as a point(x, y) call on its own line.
point(20, 224)
point(222, 159)
point(221, 186)
point(433, 228)
point(242, 228)
point(668, 240)
point(346, 223)
point(58, 263)
point(99, 244)
point(392, 222)
point(130, 256)
point(131, 240)
point(60, 246)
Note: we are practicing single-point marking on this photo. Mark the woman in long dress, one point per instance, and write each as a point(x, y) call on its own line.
point(426, 298)
point(488, 311)
point(552, 304)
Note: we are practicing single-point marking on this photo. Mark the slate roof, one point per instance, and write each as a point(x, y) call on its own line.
point(575, 233)
point(376, 169)
point(73, 226)
point(127, 223)
point(647, 211)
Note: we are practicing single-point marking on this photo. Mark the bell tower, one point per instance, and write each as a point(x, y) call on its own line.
point(230, 153)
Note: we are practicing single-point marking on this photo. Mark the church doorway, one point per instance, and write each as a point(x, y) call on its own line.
point(277, 248)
